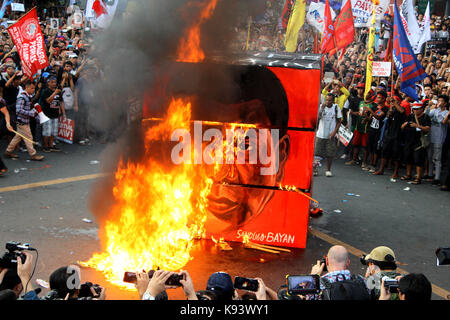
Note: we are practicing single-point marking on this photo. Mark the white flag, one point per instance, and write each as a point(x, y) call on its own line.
point(410, 23)
point(316, 14)
point(105, 20)
point(426, 33)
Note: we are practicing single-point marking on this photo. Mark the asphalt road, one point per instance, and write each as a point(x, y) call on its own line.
point(413, 223)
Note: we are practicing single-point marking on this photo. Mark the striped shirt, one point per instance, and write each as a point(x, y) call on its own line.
point(24, 108)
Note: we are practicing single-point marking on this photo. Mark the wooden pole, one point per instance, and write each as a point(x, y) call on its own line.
point(249, 32)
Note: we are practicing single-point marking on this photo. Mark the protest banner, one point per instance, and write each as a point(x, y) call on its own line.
point(66, 129)
point(363, 9)
point(381, 69)
point(27, 36)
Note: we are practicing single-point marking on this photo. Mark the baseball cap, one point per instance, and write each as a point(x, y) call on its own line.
point(221, 284)
point(381, 254)
point(361, 85)
point(417, 105)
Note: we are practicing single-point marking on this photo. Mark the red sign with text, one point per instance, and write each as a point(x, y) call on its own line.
point(29, 40)
point(66, 128)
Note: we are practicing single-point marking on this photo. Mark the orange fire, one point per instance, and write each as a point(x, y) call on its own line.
point(190, 49)
point(158, 211)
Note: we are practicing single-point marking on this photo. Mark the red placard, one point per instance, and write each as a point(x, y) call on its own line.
point(66, 129)
point(29, 40)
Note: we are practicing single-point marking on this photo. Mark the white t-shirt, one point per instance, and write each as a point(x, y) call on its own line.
point(327, 123)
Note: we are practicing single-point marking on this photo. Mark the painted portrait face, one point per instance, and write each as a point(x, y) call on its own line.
point(230, 203)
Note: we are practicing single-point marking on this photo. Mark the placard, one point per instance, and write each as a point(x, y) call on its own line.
point(17, 7)
point(345, 135)
point(54, 23)
point(381, 69)
point(66, 129)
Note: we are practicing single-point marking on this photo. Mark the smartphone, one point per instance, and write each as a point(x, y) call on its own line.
point(303, 284)
point(246, 284)
point(174, 280)
point(391, 284)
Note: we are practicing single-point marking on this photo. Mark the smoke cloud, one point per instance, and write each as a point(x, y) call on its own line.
point(132, 54)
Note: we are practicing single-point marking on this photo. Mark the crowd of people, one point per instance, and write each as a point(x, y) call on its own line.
point(60, 91)
point(389, 129)
point(380, 282)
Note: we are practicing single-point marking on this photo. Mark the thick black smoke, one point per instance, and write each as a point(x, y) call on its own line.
point(133, 54)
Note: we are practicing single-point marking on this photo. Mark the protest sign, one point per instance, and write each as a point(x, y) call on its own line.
point(66, 129)
point(345, 135)
point(77, 20)
point(54, 24)
point(381, 69)
point(19, 7)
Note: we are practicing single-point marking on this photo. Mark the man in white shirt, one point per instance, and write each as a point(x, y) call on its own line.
point(330, 118)
point(437, 114)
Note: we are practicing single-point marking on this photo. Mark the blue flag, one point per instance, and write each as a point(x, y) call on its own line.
point(4, 5)
point(406, 63)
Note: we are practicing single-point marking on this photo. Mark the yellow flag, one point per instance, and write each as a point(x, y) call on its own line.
point(370, 51)
point(296, 21)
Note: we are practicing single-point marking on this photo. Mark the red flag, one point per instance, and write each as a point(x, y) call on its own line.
point(316, 44)
point(99, 8)
point(27, 36)
point(328, 42)
point(344, 27)
point(388, 52)
point(288, 5)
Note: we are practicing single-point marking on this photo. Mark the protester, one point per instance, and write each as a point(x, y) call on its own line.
point(25, 111)
point(416, 127)
point(53, 106)
point(330, 117)
point(437, 113)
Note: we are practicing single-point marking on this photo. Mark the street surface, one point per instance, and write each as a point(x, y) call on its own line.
point(49, 215)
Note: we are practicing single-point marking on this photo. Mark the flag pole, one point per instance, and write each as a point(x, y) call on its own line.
point(248, 32)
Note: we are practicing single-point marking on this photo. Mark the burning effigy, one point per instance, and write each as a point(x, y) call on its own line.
point(227, 154)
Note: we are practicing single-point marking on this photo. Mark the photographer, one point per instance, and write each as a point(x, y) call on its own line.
point(381, 263)
point(65, 284)
point(18, 280)
point(338, 283)
point(412, 287)
point(154, 288)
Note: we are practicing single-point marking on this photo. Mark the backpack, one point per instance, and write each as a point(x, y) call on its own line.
point(352, 289)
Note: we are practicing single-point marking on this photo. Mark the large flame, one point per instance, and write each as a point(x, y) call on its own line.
point(158, 209)
point(190, 49)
